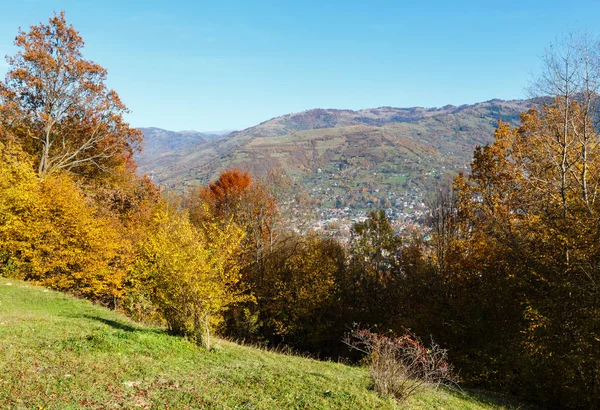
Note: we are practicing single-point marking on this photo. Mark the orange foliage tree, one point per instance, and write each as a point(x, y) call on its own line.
point(227, 192)
point(59, 107)
point(249, 203)
point(529, 222)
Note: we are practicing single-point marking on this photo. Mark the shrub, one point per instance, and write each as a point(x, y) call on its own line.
point(186, 272)
point(401, 365)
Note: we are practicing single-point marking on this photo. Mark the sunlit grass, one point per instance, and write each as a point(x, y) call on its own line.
point(57, 352)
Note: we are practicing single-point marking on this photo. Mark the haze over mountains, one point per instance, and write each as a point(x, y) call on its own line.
point(158, 141)
point(361, 159)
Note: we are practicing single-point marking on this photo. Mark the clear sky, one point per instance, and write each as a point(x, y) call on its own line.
point(211, 65)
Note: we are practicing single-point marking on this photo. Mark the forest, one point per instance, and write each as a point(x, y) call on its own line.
point(505, 275)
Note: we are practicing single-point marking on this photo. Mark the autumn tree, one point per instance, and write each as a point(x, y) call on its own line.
point(51, 234)
point(248, 202)
point(19, 205)
point(59, 107)
point(442, 223)
point(571, 77)
point(375, 244)
point(300, 299)
point(374, 253)
point(187, 273)
point(478, 287)
point(528, 247)
point(225, 195)
point(560, 161)
point(78, 250)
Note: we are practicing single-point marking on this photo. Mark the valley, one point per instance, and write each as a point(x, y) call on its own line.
point(343, 163)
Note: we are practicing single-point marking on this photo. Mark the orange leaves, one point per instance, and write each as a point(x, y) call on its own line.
point(67, 42)
point(225, 194)
point(57, 104)
point(235, 196)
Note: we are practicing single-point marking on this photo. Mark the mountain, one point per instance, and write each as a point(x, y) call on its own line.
point(373, 157)
point(157, 141)
point(217, 133)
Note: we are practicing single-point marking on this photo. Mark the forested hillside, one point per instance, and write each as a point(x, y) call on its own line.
point(158, 141)
point(498, 289)
point(360, 159)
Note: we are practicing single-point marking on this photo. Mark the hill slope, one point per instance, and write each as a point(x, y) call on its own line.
point(57, 352)
point(157, 141)
point(347, 157)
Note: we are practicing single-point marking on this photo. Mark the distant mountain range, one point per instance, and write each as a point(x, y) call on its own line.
point(158, 141)
point(359, 158)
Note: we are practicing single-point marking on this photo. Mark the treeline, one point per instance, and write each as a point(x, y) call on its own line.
point(74, 215)
point(505, 275)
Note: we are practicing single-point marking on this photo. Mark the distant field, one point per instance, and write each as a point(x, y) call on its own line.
point(57, 352)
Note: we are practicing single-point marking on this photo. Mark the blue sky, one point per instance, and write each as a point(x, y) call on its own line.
point(210, 65)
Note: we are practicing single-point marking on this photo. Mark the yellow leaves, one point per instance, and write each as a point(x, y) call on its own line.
point(297, 286)
point(536, 330)
point(83, 237)
point(188, 271)
point(529, 219)
point(18, 206)
point(49, 233)
point(80, 251)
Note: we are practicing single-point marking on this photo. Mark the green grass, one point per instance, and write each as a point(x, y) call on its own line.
point(57, 352)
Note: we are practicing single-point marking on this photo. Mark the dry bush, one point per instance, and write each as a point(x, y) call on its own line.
point(401, 365)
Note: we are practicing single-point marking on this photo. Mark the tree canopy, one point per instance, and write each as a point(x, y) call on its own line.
point(58, 105)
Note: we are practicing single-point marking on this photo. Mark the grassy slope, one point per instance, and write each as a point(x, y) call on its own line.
point(57, 352)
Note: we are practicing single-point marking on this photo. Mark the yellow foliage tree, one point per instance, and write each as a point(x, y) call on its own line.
point(76, 249)
point(297, 294)
point(529, 213)
point(50, 233)
point(19, 205)
point(188, 271)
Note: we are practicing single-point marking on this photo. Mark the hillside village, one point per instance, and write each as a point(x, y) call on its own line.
point(448, 257)
point(406, 213)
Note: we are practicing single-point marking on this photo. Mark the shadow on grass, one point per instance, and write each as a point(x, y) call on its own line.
point(119, 325)
point(494, 399)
